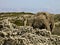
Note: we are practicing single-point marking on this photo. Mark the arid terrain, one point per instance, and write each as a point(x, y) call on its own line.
point(15, 29)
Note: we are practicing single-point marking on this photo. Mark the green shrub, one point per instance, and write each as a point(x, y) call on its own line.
point(57, 17)
point(19, 23)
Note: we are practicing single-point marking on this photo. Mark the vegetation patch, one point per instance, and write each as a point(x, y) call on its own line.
point(19, 22)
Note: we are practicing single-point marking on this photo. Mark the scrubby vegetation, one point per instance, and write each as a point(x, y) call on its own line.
point(12, 31)
point(57, 17)
point(9, 14)
point(20, 23)
point(57, 30)
point(57, 25)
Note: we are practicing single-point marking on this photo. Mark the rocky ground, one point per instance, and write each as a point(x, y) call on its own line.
point(11, 34)
point(22, 35)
